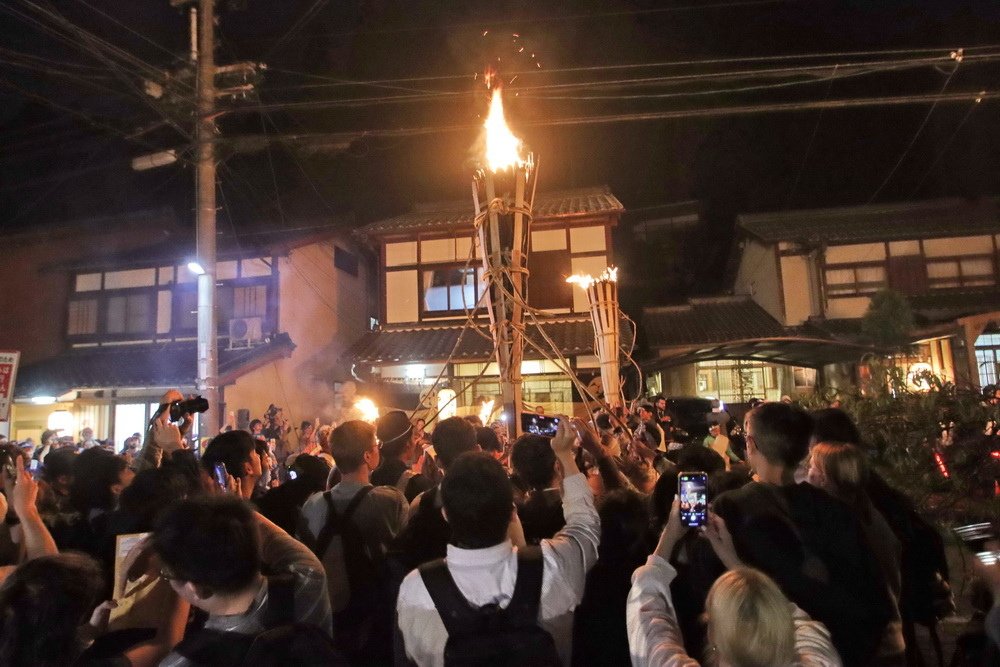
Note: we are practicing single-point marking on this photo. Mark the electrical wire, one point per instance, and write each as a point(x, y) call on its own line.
point(944, 149)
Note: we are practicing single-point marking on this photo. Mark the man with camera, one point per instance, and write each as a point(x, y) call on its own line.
point(165, 434)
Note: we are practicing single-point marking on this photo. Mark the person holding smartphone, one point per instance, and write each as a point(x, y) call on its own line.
point(749, 620)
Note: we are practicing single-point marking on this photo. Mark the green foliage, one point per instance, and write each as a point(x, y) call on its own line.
point(904, 428)
point(888, 320)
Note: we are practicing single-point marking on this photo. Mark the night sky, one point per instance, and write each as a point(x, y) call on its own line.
point(407, 134)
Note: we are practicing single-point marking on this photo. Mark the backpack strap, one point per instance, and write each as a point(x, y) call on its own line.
point(459, 616)
point(523, 607)
point(334, 521)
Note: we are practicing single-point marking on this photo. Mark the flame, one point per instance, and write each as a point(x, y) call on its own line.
point(503, 149)
point(609, 275)
point(367, 408)
point(486, 411)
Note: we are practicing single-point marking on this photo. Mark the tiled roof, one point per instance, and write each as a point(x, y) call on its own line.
point(422, 344)
point(877, 222)
point(712, 320)
point(548, 205)
point(939, 305)
point(122, 366)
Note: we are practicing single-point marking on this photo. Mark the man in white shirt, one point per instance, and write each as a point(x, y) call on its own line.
point(482, 560)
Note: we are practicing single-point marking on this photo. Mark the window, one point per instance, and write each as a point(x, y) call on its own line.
point(82, 318)
point(547, 286)
point(242, 301)
point(185, 310)
point(345, 261)
point(854, 280)
point(129, 313)
point(451, 290)
point(988, 358)
point(972, 271)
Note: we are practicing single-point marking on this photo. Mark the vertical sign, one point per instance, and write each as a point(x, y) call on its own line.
point(8, 374)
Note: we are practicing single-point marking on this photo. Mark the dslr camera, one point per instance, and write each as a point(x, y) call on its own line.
point(178, 409)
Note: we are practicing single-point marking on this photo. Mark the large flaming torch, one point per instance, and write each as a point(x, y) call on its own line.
point(503, 193)
point(602, 293)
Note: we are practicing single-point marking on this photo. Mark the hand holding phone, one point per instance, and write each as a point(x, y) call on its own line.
point(692, 492)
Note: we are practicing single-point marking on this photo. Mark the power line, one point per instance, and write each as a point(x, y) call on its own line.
point(916, 135)
point(944, 149)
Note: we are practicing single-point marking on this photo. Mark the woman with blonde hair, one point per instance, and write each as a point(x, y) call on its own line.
point(841, 470)
point(750, 622)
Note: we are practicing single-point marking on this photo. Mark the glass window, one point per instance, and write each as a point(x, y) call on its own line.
point(82, 318)
point(453, 289)
point(185, 310)
point(854, 280)
point(129, 314)
point(242, 301)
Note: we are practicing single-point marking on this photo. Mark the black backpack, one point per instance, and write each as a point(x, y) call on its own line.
point(488, 635)
point(358, 586)
point(282, 642)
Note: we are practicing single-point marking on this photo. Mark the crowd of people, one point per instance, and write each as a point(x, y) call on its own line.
point(396, 543)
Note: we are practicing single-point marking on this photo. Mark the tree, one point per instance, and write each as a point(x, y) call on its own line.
point(888, 320)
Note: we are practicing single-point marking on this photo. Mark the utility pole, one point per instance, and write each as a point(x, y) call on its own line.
point(207, 381)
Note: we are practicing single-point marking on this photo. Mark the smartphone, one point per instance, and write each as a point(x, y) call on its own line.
point(539, 425)
point(33, 466)
point(221, 476)
point(692, 490)
point(292, 474)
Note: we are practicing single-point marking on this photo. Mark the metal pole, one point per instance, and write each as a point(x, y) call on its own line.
point(207, 379)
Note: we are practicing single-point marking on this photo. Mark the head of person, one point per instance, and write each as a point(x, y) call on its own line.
point(305, 429)
point(841, 470)
point(99, 477)
point(624, 525)
point(533, 461)
point(87, 434)
point(778, 433)
point(312, 471)
point(834, 425)
point(451, 438)
point(238, 451)
point(714, 429)
point(474, 420)
point(645, 412)
point(661, 404)
point(694, 457)
point(478, 500)
point(44, 601)
point(58, 469)
point(393, 431)
point(489, 442)
point(209, 549)
point(750, 620)
point(419, 425)
point(150, 491)
point(354, 447)
point(48, 437)
point(256, 426)
point(539, 409)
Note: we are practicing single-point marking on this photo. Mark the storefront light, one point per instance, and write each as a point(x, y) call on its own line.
point(415, 372)
point(447, 405)
point(43, 400)
point(60, 420)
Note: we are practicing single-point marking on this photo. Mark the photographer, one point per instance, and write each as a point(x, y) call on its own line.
point(163, 438)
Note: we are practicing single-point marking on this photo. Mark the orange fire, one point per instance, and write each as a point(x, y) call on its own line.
point(503, 149)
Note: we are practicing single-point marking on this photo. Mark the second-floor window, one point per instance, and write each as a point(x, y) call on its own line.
point(129, 313)
point(854, 280)
point(450, 290)
point(973, 271)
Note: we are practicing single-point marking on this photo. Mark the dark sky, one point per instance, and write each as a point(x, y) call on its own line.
point(65, 112)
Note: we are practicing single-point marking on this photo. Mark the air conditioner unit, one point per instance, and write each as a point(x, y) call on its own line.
point(245, 332)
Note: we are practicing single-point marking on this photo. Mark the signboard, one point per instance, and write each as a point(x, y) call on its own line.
point(8, 374)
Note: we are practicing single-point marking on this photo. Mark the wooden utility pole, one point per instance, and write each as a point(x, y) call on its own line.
point(207, 381)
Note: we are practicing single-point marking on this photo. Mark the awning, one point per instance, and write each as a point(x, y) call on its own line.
point(434, 344)
point(792, 351)
point(139, 366)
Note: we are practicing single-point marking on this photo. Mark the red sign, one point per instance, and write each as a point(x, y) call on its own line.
point(8, 374)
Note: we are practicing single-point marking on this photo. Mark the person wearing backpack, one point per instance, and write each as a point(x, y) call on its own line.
point(397, 445)
point(349, 528)
point(487, 602)
point(214, 551)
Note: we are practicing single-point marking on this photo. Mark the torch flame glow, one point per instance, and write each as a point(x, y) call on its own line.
point(367, 408)
point(609, 274)
point(503, 149)
point(486, 411)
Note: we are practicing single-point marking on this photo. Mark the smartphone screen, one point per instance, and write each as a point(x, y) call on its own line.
point(221, 475)
point(292, 474)
point(539, 424)
point(692, 490)
point(33, 466)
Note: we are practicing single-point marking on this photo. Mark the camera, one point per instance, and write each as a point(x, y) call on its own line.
point(187, 407)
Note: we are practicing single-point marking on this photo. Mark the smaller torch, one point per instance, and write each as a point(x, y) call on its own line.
point(602, 293)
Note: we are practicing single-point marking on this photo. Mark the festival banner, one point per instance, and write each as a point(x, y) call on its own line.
point(8, 374)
